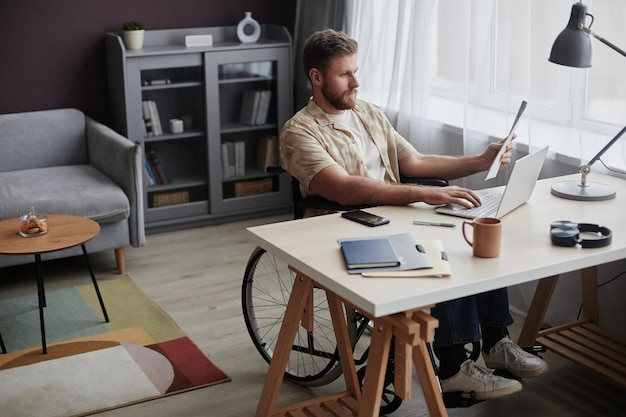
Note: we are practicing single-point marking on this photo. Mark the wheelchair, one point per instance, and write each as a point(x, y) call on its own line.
point(314, 359)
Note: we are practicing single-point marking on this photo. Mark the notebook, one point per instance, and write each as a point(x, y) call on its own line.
point(518, 190)
point(408, 250)
point(368, 253)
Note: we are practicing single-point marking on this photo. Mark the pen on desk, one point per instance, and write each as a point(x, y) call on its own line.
point(434, 224)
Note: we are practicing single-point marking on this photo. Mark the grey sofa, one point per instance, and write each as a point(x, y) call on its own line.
point(63, 162)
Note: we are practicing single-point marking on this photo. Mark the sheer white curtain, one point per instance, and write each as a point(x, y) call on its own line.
point(395, 60)
point(444, 66)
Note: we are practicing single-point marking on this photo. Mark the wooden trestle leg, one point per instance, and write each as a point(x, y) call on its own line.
point(412, 330)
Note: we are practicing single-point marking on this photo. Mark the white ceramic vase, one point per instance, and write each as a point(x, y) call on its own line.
point(248, 30)
point(133, 39)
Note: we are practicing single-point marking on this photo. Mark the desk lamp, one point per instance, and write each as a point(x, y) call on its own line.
point(572, 48)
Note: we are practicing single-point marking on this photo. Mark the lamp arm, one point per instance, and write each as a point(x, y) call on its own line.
point(601, 39)
point(607, 146)
point(586, 169)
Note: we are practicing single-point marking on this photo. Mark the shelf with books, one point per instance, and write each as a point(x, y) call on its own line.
point(250, 101)
point(251, 105)
point(203, 87)
point(254, 179)
point(160, 106)
point(177, 162)
point(246, 153)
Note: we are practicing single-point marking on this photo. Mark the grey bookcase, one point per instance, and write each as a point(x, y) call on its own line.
point(211, 170)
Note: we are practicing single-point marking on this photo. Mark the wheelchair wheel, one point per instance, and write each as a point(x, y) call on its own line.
point(390, 402)
point(267, 283)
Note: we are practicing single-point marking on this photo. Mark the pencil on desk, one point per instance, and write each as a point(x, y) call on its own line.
point(433, 224)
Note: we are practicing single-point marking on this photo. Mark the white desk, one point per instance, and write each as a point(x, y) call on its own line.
point(309, 246)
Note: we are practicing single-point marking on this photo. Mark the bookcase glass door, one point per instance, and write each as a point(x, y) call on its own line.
point(175, 138)
point(250, 117)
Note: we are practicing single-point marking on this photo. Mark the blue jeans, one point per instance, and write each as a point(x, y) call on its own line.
point(459, 319)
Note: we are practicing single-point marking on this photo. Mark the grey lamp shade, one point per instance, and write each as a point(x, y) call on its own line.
point(572, 47)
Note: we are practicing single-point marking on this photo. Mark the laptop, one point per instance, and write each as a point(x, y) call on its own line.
point(518, 190)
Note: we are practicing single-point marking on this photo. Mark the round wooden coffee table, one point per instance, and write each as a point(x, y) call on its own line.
point(64, 232)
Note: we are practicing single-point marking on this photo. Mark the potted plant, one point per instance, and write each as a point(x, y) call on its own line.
point(133, 33)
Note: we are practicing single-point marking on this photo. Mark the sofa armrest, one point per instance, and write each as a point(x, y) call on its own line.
point(121, 160)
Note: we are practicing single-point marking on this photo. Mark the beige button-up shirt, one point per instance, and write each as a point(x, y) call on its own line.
point(310, 142)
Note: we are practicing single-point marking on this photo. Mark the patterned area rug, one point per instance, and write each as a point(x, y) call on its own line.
point(92, 365)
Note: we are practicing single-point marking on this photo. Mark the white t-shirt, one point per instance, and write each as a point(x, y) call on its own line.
point(363, 142)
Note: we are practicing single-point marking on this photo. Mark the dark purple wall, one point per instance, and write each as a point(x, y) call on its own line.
point(52, 52)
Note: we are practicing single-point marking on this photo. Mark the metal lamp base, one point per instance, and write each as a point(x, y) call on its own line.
point(593, 191)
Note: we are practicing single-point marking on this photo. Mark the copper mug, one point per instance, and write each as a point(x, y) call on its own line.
point(486, 236)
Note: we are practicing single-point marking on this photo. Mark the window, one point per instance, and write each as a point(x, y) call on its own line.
point(490, 54)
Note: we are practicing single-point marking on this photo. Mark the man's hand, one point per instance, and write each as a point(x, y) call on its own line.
point(449, 195)
point(492, 151)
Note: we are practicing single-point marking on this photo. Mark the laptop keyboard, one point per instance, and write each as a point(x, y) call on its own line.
point(488, 208)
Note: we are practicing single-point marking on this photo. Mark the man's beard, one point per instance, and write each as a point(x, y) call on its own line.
point(339, 101)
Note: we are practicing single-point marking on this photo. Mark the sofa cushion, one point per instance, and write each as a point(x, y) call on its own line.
point(79, 190)
point(42, 139)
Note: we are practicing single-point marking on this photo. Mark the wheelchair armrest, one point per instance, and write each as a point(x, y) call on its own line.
point(323, 204)
point(274, 169)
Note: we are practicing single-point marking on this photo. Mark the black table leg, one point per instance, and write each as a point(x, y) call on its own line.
point(41, 293)
point(95, 284)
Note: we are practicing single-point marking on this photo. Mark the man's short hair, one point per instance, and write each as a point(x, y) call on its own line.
point(322, 46)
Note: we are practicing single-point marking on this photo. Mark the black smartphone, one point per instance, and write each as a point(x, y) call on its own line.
point(364, 217)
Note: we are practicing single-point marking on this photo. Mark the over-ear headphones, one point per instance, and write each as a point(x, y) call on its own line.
point(566, 233)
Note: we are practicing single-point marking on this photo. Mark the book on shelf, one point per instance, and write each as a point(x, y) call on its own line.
point(264, 106)
point(149, 173)
point(156, 119)
point(255, 106)
point(249, 107)
point(151, 119)
point(267, 154)
point(368, 253)
point(228, 166)
point(240, 158)
point(147, 119)
point(156, 163)
point(233, 158)
point(228, 160)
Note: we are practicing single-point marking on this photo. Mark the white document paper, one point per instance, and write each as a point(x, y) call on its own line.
point(495, 165)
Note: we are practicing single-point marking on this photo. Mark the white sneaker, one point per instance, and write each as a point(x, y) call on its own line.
point(507, 355)
point(486, 385)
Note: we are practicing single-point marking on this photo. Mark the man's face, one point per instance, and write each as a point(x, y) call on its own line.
point(340, 86)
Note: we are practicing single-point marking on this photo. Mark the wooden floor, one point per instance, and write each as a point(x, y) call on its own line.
point(195, 275)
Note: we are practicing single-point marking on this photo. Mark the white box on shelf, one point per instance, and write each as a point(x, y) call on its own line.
point(199, 40)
